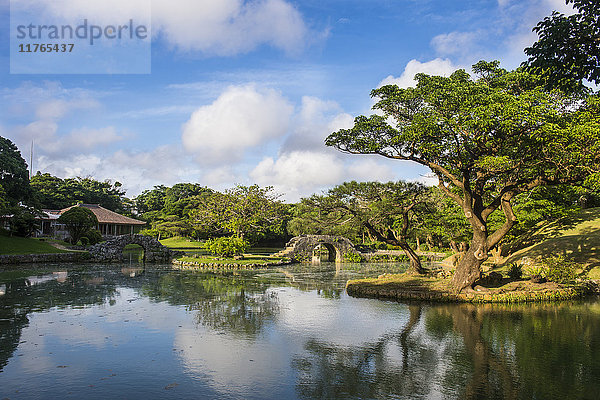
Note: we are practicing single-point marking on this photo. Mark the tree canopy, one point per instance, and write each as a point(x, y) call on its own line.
point(568, 48)
point(486, 139)
point(14, 177)
point(55, 193)
point(78, 220)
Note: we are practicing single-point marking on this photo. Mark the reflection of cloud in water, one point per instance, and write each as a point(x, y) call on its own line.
point(235, 367)
point(2, 290)
point(307, 315)
point(60, 276)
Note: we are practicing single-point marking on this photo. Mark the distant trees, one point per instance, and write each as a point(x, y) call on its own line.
point(54, 193)
point(487, 140)
point(249, 212)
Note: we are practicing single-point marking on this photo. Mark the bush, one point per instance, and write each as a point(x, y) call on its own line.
point(227, 246)
point(84, 241)
point(559, 269)
point(353, 257)
point(94, 236)
point(515, 271)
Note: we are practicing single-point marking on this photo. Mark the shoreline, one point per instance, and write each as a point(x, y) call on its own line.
point(407, 287)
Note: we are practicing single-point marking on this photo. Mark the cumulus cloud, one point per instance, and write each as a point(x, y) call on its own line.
point(240, 118)
point(298, 173)
point(455, 43)
point(214, 27)
point(315, 121)
point(438, 66)
point(137, 170)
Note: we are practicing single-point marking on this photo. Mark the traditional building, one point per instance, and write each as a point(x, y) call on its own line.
point(110, 223)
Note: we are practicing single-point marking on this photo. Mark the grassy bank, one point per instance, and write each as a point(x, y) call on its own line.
point(577, 237)
point(410, 287)
point(19, 245)
point(178, 242)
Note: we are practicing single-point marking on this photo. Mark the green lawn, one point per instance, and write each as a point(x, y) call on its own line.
point(178, 242)
point(577, 237)
point(18, 245)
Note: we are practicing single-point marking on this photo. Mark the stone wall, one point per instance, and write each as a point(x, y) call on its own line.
point(112, 250)
point(43, 258)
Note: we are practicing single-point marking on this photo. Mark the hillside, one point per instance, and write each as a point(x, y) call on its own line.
point(19, 245)
point(577, 236)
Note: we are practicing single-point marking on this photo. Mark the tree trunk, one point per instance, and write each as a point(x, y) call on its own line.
point(415, 263)
point(468, 269)
point(454, 246)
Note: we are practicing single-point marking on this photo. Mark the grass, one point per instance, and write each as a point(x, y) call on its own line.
point(248, 259)
point(178, 242)
point(19, 245)
point(411, 287)
point(577, 237)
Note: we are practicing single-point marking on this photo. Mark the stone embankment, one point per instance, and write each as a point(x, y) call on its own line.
point(44, 258)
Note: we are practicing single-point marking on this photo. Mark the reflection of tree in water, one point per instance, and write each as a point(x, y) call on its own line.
point(467, 352)
point(368, 371)
point(234, 304)
point(24, 295)
point(522, 352)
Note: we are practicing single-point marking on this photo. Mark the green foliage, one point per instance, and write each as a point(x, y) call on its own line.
point(14, 177)
point(560, 269)
point(486, 139)
point(84, 241)
point(23, 222)
point(55, 193)
point(353, 257)
point(567, 49)
point(227, 246)
point(515, 271)
point(78, 220)
point(94, 236)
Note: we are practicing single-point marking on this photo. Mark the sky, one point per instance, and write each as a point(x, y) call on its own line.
point(240, 92)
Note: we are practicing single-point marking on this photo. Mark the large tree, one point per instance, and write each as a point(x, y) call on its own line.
point(14, 177)
point(568, 48)
point(486, 139)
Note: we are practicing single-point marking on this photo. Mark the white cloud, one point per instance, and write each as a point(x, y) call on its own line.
point(315, 121)
point(137, 170)
point(241, 118)
point(438, 66)
point(455, 43)
point(214, 27)
point(298, 173)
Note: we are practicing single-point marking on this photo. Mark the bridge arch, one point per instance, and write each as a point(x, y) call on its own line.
point(300, 248)
point(112, 249)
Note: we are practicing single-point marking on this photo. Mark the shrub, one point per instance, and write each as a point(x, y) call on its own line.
point(353, 257)
point(559, 269)
point(94, 236)
point(515, 271)
point(227, 246)
point(84, 241)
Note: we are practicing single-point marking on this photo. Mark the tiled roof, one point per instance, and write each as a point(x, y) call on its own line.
point(106, 216)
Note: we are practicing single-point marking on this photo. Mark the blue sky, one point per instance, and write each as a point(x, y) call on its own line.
point(244, 92)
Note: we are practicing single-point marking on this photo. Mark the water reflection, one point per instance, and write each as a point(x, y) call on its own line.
point(290, 333)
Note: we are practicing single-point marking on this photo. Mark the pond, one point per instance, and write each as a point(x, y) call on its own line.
point(135, 332)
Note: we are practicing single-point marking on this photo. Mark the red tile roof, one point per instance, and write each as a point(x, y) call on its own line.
point(106, 216)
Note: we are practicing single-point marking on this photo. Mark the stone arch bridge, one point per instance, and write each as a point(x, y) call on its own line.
point(112, 250)
point(300, 248)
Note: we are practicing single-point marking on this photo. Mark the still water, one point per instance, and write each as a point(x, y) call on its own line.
point(128, 332)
